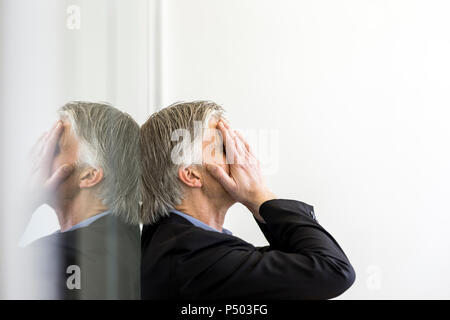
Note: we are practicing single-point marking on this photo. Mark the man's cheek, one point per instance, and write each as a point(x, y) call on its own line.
point(68, 187)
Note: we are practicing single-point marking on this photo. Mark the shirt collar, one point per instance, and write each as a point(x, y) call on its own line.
point(198, 223)
point(87, 221)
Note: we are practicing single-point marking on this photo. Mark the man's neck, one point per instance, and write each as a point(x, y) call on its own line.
point(209, 213)
point(77, 211)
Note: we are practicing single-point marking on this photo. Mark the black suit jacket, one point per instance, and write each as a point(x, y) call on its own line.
point(107, 253)
point(303, 261)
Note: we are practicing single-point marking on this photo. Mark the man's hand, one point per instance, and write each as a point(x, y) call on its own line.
point(42, 182)
point(245, 182)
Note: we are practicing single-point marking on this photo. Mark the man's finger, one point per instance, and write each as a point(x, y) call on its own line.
point(49, 132)
point(41, 138)
point(229, 143)
point(241, 137)
point(240, 144)
point(248, 151)
point(226, 124)
point(220, 175)
point(61, 174)
point(232, 134)
point(240, 151)
point(52, 141)
point(227, 138)
point(38, 146)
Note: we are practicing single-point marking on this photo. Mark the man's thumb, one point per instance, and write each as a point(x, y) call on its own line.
point(214, 170)
point(59, 175)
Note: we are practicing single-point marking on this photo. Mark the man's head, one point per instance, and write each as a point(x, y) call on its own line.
point(103, 144)
point(175, 144)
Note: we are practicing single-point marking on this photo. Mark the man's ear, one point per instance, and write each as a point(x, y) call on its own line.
point(190, 176)
point(90, 177)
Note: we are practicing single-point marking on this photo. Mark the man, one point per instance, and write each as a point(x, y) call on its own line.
point(87, 168)
point(186, 253)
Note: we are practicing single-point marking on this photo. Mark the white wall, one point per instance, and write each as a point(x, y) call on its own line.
point(359, 91)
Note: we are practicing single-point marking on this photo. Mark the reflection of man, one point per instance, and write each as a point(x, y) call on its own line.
point(88, 171)
point(186, 253)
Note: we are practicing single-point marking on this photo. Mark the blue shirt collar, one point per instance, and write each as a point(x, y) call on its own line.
point(198, 223)
point(87, 221)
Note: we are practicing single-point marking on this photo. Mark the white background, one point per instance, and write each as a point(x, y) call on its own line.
point(358, 92)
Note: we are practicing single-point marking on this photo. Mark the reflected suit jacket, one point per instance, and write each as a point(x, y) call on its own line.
point(303, 261)
point(107, 253)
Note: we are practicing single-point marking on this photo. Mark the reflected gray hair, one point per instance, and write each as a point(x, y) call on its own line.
point(161, 187)
point(109, 139)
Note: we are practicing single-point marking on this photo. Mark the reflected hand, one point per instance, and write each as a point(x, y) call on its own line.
point(42, 182)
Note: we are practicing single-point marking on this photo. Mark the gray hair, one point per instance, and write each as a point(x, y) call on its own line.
point(162, 190)
point(109, 139)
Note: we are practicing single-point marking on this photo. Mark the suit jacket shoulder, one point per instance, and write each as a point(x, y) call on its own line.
point(107, 253)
